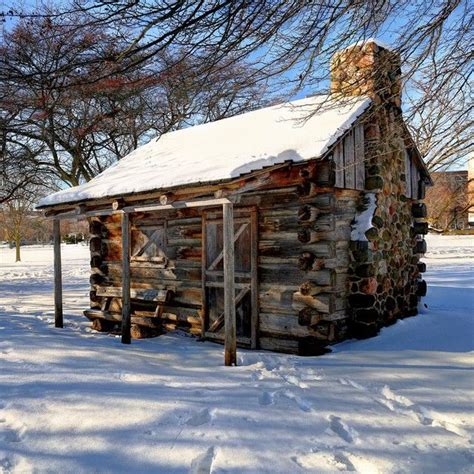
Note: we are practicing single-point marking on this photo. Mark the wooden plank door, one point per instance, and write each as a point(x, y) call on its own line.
point(246, 281)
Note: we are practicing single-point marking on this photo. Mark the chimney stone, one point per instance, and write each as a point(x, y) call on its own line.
point(368, 69)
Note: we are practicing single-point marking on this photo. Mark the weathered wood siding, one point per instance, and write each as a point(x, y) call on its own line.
point(349, 160)
point(179, 271)
point(303, 261)
point(303, 235)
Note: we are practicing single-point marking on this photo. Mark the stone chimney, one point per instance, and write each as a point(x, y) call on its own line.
point(367, 68)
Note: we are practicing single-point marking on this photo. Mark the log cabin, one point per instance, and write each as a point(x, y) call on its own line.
point(288, 228)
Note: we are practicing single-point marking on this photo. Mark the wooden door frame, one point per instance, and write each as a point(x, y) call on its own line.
point(253, 275)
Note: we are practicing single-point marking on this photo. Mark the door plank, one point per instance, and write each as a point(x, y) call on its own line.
point(254, 279)
point(216, 261)
point(218, 323)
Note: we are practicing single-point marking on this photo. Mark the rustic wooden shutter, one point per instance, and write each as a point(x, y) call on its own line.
point(149, 242)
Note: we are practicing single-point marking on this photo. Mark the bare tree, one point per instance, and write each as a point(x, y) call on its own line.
point(448, 200)
point(289, 43)
point(440, 115)
point(85, 117)
point(18, 167)
point(14, 217)
point(81, 127)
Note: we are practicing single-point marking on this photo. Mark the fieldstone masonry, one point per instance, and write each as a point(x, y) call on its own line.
point(385, 271)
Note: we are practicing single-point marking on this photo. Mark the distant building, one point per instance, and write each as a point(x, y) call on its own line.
point(447, 200)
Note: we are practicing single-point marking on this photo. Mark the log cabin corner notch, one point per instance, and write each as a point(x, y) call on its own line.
point(266, 230)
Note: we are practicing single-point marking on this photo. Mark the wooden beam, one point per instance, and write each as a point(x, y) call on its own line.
point(237, 234)
point(204, 308)
point(58, 284)
point(77, 215)
point(230, 342)
point(178, 205)
point(126, 307)
point(143, 294)
point(72, 215)
point(254, 280)
point(221, 284)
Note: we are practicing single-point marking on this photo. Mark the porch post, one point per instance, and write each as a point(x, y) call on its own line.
point(126, 308)
point(230, 343)
point(58, 284)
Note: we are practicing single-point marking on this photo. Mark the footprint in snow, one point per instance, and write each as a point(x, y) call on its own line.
point(200, 418)
point(302, 404)
point(352, 384)
point(343, 430)
point(342, 462)
point(266, 398)
point(404, 406)
point(294, 380)
point(6, 465)
point(309, 375)
point(324, 461)
point(203, 463)
point(400, 399)
point(12, 436)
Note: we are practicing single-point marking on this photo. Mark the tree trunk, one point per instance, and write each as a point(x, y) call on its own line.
point(17, 250)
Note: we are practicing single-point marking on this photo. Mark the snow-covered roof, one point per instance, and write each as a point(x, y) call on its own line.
point(224, 149)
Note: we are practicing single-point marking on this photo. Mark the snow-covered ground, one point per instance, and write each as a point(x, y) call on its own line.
point(73, 401)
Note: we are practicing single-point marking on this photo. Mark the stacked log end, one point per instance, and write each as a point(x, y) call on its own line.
point(303, 266)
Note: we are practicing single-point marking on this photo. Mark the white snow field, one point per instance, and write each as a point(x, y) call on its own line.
point(72, 400)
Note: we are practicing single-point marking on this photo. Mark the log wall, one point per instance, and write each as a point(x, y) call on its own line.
point(180, 273)
point(304, 229)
